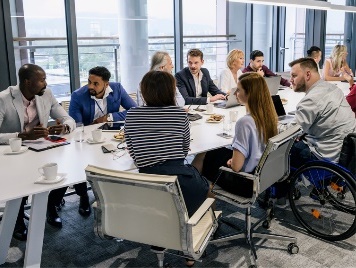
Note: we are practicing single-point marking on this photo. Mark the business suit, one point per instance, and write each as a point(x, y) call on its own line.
point(12, 121)
point(82, 106)
point(186, 86)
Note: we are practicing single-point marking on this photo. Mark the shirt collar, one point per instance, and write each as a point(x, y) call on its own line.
point(108, 90)
point(314, 85)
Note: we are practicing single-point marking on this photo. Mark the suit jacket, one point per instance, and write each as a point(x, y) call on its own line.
point(186, 86)
point(12, 112)
point(82, 106)
point(268, 73)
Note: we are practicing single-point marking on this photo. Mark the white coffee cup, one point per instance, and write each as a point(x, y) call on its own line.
point(96, 134)
point(233, 115)
point(210, 108)
point(15, 144)
point(49, 171)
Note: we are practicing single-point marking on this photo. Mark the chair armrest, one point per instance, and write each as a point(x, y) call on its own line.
point(242, 174)
point(194, 220)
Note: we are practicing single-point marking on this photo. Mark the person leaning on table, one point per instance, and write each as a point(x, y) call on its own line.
point(194, 82)
point(97, 102)
point(161, 61)
point(24, 112)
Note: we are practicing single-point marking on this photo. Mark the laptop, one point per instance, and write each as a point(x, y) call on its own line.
point(282, 116)
point(273, 83)
point(230, 102)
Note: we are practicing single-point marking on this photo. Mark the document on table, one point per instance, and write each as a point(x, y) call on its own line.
point(43, 144)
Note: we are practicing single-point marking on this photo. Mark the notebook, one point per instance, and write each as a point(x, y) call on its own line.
point(282, 116)
point(230, 102)
point(273, 84)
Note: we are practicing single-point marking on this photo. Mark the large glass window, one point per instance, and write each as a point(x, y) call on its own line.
point(39, 33)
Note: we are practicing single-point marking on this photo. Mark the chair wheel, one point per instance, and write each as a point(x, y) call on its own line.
point(266, 224)
point(293, 248)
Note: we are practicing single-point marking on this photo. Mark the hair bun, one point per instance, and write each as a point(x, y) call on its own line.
point(309, 51)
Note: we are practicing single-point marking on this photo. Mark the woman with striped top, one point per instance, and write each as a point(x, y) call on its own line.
point(158, 137)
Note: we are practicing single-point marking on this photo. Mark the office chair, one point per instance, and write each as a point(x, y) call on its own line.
point(149, 209)
point(242, 189)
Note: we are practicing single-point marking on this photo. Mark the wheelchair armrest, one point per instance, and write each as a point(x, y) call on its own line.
point(238, 174)
point(194, 220)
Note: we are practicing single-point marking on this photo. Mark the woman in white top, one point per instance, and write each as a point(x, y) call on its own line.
point(161, 61)
point(229, 76)
point(336, 65)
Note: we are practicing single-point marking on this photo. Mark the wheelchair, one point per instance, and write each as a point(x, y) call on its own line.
point(322, 195)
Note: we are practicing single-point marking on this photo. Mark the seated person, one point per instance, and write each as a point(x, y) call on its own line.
point(256, 65)
point(251, 131)
point(160, 142)
point(229, 76)
point(351, 97)
point(161, 61)
point(194, 82)
point(97, 102)
point(24, 112)
point(323, 113)
point(336, 65)
point(315, 53)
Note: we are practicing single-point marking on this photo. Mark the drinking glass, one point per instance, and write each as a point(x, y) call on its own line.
point(79, 132)
point(227, 126)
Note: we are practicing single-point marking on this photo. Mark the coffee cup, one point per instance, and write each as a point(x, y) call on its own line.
point(210, 108)
point(96, 134)
point(15, 144)
point(49, 171)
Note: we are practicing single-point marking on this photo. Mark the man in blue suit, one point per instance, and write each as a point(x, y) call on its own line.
point(97, 102)
point(194, 82)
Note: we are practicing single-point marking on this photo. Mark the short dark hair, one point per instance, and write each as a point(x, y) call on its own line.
point(256, 53)
point(101, 71)
point(311, 51)
point(158, 89)
point(305, 63)
point(28, 71)
point(194, 52)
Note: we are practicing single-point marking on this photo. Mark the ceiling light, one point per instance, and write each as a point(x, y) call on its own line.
point(310, 4)
point(343, 8)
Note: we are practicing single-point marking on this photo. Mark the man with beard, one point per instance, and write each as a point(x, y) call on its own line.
point(24, 112)
point(194, 82)
point(323, 113)
point(97, 102)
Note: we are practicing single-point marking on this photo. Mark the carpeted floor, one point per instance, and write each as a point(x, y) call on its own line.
point(76, 245)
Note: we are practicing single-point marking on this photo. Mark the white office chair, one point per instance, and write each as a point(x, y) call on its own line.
point(149, 209)
point(244, 188)
point(65, 105)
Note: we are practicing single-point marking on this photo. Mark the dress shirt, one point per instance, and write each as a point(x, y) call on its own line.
point(101, 104)
point(197, 82)
point(30, 114)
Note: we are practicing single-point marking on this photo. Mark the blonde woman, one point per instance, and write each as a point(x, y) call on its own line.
point(251, 131)
point(336, 65)
point(229, 77)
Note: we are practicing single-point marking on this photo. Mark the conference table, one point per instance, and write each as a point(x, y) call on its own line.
point(19, 171)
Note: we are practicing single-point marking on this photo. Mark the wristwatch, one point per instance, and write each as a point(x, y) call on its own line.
point(109, 118)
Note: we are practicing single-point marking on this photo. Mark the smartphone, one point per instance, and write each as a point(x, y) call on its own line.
point(108, 148)
point(55, 138)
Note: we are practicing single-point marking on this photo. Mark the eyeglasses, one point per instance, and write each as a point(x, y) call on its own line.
point(120, 152)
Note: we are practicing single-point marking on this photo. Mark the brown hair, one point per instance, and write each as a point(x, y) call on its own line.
point(234, 55)
point(260, 105)
point(158, 89)
point(305, 63)
point(194, 52)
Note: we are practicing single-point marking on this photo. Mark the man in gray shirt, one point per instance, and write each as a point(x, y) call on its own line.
point(324, 115)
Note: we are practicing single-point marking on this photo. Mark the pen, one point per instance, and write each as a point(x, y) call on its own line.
point(196, 109)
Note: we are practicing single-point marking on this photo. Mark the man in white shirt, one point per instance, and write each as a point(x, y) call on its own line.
point(194, 82)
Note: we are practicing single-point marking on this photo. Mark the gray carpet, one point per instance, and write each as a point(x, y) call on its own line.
point(76, 245)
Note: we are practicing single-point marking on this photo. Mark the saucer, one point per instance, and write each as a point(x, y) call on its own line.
point(59, 177)
point(211, 121)
point(208, 113)
point(22, 150)
point(91, 141)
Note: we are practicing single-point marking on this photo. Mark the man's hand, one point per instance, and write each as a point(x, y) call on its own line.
point(36, 133)
point(261, 72)
point(217, 97)
point(101, 119)
point(57, 129)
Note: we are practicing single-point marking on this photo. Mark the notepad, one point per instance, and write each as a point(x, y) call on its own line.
point(42, 144)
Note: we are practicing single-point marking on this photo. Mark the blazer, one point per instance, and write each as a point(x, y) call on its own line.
point(12, 111)
point(82, 106)
point(186, 86)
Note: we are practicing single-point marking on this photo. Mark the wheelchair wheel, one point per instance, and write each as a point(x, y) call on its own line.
point(326, 200)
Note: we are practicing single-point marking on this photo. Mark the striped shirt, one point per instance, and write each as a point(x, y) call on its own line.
point(156, 134)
